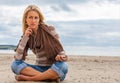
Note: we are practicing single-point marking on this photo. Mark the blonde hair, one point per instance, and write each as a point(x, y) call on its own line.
point(31, 8)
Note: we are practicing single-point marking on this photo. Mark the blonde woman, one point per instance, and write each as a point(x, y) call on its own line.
point(43, 41)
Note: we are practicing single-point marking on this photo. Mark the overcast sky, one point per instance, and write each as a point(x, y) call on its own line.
point(57, 11)
point(63, 10)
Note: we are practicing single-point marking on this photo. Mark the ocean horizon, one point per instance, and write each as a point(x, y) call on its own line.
point(82, 51)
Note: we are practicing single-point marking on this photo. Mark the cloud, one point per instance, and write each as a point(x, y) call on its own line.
point(72, 33)
point(10, 27)
point(63, 10)
point(89, 33)
point(40, 2)
point(14, 2)
point(66, 15)
point(61, 7)
point(107, 1)
point(86, 11)
point(48, 2)
point(113, 34)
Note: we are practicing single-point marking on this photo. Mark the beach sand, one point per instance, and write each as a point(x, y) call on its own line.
point(82, 69)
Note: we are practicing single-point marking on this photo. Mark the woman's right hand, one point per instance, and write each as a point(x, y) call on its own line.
point(28, 32)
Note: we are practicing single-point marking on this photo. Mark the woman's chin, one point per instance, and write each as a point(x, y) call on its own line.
point(33, 27)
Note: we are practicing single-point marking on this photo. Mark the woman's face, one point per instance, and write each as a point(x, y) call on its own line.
point(32, 19)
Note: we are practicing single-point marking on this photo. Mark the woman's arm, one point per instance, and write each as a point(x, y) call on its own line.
point(62, 55)
point(22, 48)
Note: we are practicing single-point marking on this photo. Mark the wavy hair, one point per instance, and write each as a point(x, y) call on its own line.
point(31, 8)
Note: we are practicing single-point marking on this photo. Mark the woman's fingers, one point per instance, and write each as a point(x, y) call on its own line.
point(60, 58)
point(57, 58)
point(28, 31)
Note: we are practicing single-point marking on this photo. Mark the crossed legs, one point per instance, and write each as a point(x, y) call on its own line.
point(34, 75)
point(24, 72)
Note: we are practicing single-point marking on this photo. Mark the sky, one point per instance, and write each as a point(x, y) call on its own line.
point(65, 10)
point(86, 23)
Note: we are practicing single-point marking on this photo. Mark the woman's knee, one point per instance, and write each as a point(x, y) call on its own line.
point(17, 66)
point(63, 66)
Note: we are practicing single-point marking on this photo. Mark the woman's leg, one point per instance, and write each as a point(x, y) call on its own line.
point(59, 69)
point(47, 75)
point(29, 71)
point(20, 67)
point(24, 72)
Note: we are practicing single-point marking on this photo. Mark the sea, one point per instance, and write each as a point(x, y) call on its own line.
point(82, 51)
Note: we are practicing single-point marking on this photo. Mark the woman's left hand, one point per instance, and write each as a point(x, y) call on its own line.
point(61, 58)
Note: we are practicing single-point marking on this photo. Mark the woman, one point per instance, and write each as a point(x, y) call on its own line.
point(43, 41)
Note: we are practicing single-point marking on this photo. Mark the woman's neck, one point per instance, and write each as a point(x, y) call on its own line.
point(35, 31)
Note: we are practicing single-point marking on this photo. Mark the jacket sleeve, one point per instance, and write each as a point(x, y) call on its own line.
point(55, 34)
point(22, 48)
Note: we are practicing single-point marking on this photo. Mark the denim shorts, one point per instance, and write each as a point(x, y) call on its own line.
point(61, 68)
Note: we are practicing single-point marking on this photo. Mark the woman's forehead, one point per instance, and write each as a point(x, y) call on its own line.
point(32, 12)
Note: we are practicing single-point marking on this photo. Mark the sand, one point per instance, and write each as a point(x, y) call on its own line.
point(82, 69)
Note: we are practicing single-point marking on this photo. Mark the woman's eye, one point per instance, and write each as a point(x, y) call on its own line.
point(36, 17)
point(30, 17)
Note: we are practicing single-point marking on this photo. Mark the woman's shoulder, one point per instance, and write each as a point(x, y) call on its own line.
point(50, 27)
point(52, 30)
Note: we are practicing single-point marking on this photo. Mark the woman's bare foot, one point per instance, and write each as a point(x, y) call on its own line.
point(17, 77)
point(20, 77)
